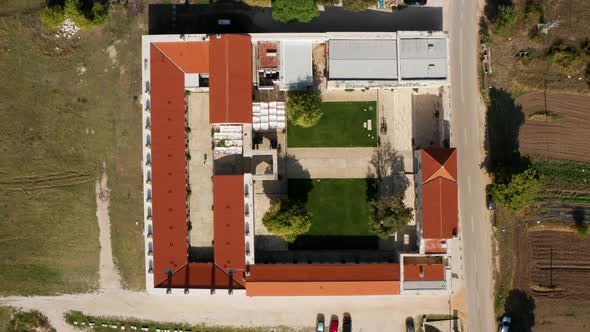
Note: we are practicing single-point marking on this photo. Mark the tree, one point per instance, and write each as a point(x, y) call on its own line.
point(287, 219)
point(388, 215)
point(304, 108)
point(516, 190)
point(53, 17)
point(294, 10)
point(506, 18)
point(356, 5)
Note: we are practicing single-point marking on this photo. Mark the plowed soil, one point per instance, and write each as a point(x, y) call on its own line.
point(564, 137)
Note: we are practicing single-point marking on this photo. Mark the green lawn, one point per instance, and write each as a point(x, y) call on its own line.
point(339, 210)
point(340, 126)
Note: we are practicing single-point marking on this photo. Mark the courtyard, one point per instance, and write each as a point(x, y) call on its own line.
point(343, 124)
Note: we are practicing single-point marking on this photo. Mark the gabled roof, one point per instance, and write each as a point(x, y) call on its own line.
point(202, 275)
point(168, 166)
point(424, 272)
point(228, 219)
point(230, 79)
point(191, 57)
point(439, 193)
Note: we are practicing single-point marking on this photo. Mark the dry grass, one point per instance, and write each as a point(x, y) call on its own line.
point(514, 73)
point(57, 127)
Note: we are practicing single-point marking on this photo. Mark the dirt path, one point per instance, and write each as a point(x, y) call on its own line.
point(109, 275)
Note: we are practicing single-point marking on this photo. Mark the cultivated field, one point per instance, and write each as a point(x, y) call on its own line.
point(564, 134)
point(341, 126)
point(67, 106)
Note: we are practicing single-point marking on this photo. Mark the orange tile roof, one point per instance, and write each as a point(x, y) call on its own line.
point(192, 57)
point(228, 220)
point(434, 246)
point(202, 275)
point(168, 166)
point(439, 193)
point(230, 79)
point(266, 61)
point(430, 272)
point(323, 272)
point(319, 288)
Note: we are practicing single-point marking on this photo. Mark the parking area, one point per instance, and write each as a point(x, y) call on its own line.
point(200, 170)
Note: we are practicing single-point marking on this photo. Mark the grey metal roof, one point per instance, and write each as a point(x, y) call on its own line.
point(296, 67)
point(357, 59)
point(423, 58)
point(424, 285)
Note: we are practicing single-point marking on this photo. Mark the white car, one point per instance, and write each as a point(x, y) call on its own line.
point(505, 325)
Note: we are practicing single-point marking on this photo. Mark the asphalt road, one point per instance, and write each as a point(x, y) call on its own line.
point(468, 128)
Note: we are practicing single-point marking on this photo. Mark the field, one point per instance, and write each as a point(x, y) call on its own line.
point(565, 136)
point(13, 320)
point(339, 211)
point(340, 126)
point(535, 71)
point(67, 107)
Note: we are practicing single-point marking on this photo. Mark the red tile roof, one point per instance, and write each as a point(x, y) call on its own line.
point(168, 166)
point(230, 79)
point(228, 219)
point(266, 61)
point(434, 246)
point(202, 275)
point(439, 193)
point(339, 288)
point(430, 272)
point(192, 57)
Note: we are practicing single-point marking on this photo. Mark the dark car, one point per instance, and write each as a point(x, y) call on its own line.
point(491, 203)
point(410, 324)
point(346, 323)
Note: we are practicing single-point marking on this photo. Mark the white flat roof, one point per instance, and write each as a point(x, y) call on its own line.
point(362, 59)
point(296, 64)
point(423, 58)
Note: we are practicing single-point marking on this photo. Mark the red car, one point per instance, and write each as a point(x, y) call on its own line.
point(334, 325)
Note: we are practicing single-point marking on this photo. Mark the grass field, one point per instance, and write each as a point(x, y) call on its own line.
point(340, 126)
point(13, 320)
point(67, 106)
point(339, 211)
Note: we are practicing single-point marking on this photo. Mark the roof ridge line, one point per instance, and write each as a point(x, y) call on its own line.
point(171, 275)
point(169, 58)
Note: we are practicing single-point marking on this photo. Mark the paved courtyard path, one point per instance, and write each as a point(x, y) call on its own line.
point(333, 163)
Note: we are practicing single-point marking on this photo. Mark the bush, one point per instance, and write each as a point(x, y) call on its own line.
point(304, 108)
point(564, 55)
point(534, 12)
point(585, 46)
point(356, 5)
point(516, 190)
point(387, 216)
point(95, 17)
point(506, 18)
point(287, 219)
point(52, 17)
point(294, 10)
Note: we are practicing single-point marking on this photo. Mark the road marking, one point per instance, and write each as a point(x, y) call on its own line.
point(469, 185)
point(461, 60)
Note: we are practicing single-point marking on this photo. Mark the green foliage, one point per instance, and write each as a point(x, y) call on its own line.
point(585, 46)
point(516, 190)
point(484, 31)
point(387, 216)
point(287, 219)
point(506, 18)
point(294, 10)
point(564, 174)
point(564, 55)
point(533, 12)
point(52, 17)
point(13, 320)
point(357, 5)
point(304, 108)
point(258, 3)
point(95, 17)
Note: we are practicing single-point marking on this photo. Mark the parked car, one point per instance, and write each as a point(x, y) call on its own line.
point(410, 324)
point(346, 323)
point(334, 325)
point(320, 325)
point(505, 324)
point(491, 203)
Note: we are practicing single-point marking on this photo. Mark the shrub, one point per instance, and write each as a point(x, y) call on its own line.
point(564, 55)
point(294, 10)
point(516, 190)
point(387, 216)
point(585, 46)
point(95, 17)
point(533, 12)
point(287, 219)
point(52, 17)
point(506, 18)
point(304, 108)
point(356, 5)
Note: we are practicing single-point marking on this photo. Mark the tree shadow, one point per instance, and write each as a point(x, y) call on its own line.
point(503, 121)
point(388, 168)
point(491, 8)
point(579, 215)
point(521, 308)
